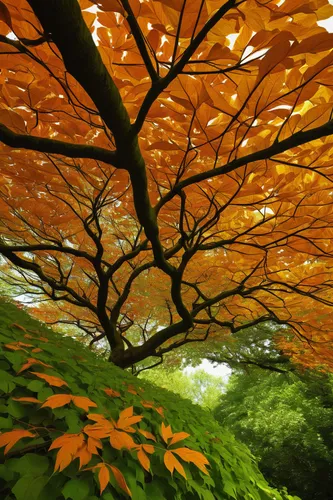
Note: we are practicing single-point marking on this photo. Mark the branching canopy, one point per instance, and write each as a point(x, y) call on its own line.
point(167, 168)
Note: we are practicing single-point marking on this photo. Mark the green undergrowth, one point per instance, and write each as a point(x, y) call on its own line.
point(27, 470)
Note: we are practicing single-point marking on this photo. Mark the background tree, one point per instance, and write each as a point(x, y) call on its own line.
point(200, 387)
point(259, 346)
point(166, 168)
point(286, 420)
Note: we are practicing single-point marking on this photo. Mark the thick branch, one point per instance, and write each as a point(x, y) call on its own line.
point(293, 141)
point(22, 141)
point(63, 20)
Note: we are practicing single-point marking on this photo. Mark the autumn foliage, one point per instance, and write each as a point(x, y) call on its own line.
point(166, 169)
point(82, 429)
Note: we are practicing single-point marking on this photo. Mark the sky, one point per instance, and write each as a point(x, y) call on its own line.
point(217, 370)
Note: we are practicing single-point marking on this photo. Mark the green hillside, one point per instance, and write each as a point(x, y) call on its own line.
point(76, 427)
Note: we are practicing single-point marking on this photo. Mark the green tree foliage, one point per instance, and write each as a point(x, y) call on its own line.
point(287, 422)
point(75, 427)
point(249, 347)
point(200, 387)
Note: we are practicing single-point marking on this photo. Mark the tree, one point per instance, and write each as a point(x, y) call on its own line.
point(200, 387)
point(258, 346)
point(166, 168)
point(286, 420)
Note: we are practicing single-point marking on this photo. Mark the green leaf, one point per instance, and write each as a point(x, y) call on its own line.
point(73, 421)
point(108, 496)
point(16, 359)
point(4, 366)
point(30, 464)
point(76, 489)
point(29, 485)
point(229, 488)
point(153, 490)
point(6, 423)
point(136, 490)
point(44, 393)
point(35, 386)
point(18, 410)
point(7, 382)
point(5, 473)
point(5, 338)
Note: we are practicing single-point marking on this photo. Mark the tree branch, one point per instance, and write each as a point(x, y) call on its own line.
point(22, 141)
point(293, 141)
point(159, 86)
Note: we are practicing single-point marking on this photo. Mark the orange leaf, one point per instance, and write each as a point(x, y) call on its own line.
point(9, 439)
point(119, 440)
point(110, 5)
point(97, 417)
point(147, 434)
point(33, 361)
point(27, 400)
point(149, 448)
point(84, 455)
point(17, 346)
point(93, 444)
point(16, 325)
point(172, 463)
point(97, 431)
point(55, 381)
point(103, 477)
point(83, 402)
point(147, 404)
point(178, 436)
point(273, 57)
point(120, 480)
point(160, 411)
point(126, 419)
point(69, 445)
point(5, 15)
point(111, 392)
point(37, 349)
point(193, 456)
point(166, 432)
point(143, 459)
point(57, 400)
